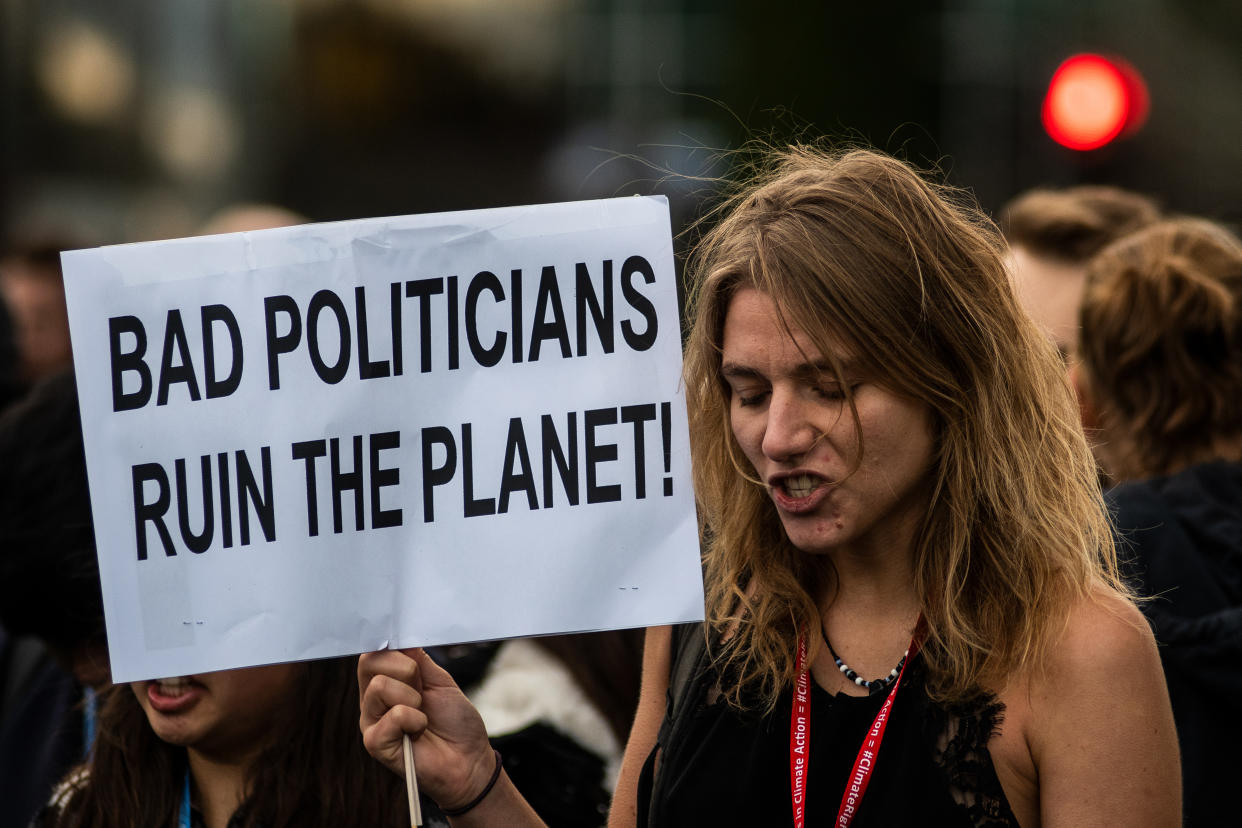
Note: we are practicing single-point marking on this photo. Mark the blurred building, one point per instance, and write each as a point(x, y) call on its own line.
point(134, 119)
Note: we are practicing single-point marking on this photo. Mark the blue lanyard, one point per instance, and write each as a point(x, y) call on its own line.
point(183, 821)
point(90, 707)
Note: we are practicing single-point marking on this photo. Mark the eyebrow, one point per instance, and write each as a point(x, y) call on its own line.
point(734, 369)
point(821, 368)
point(804, 371)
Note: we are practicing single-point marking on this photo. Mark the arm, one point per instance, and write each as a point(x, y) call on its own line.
point(657, 658)
point(404, 691)
point(1102, 733)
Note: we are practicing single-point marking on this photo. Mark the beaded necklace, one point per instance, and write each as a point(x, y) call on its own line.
point(874, 685)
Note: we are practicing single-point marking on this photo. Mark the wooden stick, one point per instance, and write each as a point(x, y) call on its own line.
point(411, 782)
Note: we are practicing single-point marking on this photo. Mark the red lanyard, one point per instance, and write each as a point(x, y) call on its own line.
point(800, 743)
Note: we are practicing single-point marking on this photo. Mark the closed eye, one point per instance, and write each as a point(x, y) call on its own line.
point(746, 386)
point(833, 391)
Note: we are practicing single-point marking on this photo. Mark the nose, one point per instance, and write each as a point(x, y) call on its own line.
point(789, 432)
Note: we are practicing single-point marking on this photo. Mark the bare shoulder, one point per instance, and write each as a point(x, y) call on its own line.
point(1105, 630)
point(1099, 725)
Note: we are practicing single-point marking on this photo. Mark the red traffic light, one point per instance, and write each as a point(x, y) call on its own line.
point(1092, 99)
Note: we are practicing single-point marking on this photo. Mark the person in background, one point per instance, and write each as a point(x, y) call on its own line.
point(558, 708)
point(33, 287)
point(247, 216)
point(53, 654)
point(259, 747)
point(914, 612)
point(1160, 378)
point(53, 650)
point(10, 385)
point(263, 746)
point(1052, 234)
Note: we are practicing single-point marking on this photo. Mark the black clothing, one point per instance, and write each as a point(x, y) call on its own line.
point(1180, 540)
point(732, 768)
point(560, 779)
point(41, 734)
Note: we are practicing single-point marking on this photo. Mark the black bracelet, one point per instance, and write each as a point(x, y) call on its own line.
point(491, 783)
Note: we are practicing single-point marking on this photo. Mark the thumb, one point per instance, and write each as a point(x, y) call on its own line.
point(432, 674)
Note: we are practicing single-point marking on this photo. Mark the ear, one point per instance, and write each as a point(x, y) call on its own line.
point(1088, 411)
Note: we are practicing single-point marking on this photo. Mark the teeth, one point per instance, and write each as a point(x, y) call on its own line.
point(173, 687)
point(801, 485)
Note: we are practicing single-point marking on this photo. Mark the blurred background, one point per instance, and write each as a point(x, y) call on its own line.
point(125, 120)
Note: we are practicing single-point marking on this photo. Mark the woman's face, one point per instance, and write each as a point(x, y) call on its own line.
point(793, 422)
point(228, 715)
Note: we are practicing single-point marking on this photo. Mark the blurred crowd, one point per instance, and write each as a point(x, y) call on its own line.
point(1144, 306)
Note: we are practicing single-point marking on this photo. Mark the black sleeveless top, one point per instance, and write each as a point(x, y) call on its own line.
point(727, 767)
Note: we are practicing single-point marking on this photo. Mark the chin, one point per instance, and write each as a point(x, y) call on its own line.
point(177, 730)
point(174, 734)
point(812, 540)
point(814, 544)
point(813, 548)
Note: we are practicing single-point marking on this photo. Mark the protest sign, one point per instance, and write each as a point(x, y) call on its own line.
point(328, 439)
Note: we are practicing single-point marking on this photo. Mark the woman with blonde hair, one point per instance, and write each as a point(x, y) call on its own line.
point(914, 614)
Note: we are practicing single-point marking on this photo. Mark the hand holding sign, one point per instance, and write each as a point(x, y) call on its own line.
point(401, 692)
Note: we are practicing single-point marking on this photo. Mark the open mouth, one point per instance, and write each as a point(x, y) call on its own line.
point(798, 486)
point(173, 687)
point(174, 695)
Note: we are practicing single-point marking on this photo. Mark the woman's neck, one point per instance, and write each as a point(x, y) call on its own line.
point(869, 611)
point(220, 786)
point(876, 570)
point(872, 582)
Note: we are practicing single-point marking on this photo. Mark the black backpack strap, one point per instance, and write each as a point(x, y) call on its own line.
point(686, 689)
point(689, 659)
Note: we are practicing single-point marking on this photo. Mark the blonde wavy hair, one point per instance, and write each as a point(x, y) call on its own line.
point(909, 277)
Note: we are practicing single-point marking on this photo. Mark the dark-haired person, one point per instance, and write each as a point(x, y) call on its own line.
point(1052, 235)
point(32, 285)
point(260, 747)
point(53, 655)
point(888, 458)
point(264, 746)
point(10, 385)
point(1160, 376)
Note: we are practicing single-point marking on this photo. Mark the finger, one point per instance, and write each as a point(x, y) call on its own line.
point(393, 663)
point(385, 693)
point(382, 739)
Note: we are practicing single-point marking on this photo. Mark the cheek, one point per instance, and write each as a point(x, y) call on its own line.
point(747, 431)
point(904, 444)
point(271, 689)
point(140, 692)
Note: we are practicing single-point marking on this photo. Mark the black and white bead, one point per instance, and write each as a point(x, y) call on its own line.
point(872, 686)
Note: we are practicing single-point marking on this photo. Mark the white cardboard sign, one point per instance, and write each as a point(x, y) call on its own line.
point(323, 440)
